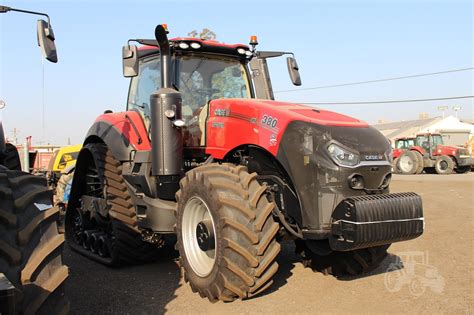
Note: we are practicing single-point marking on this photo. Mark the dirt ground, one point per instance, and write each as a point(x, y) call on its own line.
point(437, 273)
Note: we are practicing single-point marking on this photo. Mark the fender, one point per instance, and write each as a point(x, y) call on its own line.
point(122, 132)
point(418, 149)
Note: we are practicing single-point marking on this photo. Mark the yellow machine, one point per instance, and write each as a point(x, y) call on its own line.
point(64, 158)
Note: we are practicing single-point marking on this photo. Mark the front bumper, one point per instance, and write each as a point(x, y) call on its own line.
point(374, 220)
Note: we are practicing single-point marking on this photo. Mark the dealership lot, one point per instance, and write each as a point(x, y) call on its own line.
point(437, 273)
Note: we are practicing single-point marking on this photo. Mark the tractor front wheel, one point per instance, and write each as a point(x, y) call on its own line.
point(444, 165)
point(226, 232)
point(463, 169)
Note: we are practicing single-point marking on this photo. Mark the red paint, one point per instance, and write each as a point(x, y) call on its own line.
point(123, 125)
point(243, 125)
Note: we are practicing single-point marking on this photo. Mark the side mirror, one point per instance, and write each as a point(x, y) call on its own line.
point(45, 35)
point(293, 71)
point(129, 61)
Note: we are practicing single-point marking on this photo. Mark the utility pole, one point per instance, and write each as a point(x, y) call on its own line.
point(443, 109)
point(456, 110)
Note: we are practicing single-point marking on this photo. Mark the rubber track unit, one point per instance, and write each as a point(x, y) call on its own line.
point(246, 249)
point(11, 158)
point(343, 264)
point(30, 245)
point(128, 248)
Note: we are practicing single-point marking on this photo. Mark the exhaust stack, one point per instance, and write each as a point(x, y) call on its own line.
point(166, 137)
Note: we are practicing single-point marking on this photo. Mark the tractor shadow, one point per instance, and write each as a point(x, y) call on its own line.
point(96, 289)
point(391, 263)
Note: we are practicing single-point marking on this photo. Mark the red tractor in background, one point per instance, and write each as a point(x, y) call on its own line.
point(429, 153)
point(401, 145)
point(203, 152)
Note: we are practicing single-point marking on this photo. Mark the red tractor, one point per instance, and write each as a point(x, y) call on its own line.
point(401, 145)
point(428, 153)
point(203, 152)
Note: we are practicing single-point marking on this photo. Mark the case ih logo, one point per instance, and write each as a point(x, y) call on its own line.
point(374, 157)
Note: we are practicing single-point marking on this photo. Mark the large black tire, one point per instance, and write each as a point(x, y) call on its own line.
point(343, 264)
point(395, 169)
point(408, 163)
point(444, 165)
point(245, 232)
point(463, 169)
point(10, 158)
point(30, 246)
point(420, 165)
point(125, 243)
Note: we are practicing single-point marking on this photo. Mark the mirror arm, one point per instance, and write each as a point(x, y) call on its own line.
point(5, 9)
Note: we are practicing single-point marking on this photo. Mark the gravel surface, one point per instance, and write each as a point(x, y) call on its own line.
point(437, 273)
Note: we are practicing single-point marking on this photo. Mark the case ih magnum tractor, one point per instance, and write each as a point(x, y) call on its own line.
point(204, 152)
point(430, 154)
point(31, 269)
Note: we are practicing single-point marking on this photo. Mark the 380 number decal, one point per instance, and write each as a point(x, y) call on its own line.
point(269, 121)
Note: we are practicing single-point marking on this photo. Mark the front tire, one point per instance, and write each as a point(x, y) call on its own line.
point(444, 165)
point(463, 169)
point(236, 258)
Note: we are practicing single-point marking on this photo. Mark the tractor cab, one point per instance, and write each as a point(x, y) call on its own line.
point(429, 142)
point(201, 71)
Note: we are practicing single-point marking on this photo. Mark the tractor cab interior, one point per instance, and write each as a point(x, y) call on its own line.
point(199, 78)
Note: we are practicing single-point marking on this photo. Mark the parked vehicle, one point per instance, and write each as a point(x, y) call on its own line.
point(431, 155)
point(205, 152)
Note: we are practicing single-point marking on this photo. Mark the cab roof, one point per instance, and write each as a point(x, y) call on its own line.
point(150, 46)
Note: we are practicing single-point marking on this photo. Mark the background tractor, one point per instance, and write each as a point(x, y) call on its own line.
point(31, 269)
point(401, 145)
point(204, 152)
point(430, 154)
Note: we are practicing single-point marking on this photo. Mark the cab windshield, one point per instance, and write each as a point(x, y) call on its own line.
point(199, 77)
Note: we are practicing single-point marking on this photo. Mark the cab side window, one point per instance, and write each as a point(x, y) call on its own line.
point(142, 86)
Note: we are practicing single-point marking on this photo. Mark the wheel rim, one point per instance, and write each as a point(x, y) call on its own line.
point(405, 164)
point(443, 165)
point(198, 230)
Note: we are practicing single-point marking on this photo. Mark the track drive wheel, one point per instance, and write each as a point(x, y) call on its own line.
point(226, 232)
point(408, 163)
point(444, 165)
point(112, 239)
point(342, 264)
point(30, 246)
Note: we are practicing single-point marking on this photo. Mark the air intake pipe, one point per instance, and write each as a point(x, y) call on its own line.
point(166, 135)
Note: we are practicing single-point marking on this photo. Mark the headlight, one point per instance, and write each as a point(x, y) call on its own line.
point(342, 156)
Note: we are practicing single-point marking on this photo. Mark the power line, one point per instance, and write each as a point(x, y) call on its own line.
point(394, 101)
point(375, 81)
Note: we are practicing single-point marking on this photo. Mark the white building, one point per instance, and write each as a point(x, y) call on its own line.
point(454, 131)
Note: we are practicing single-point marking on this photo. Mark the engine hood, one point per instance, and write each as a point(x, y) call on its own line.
point(287, 111)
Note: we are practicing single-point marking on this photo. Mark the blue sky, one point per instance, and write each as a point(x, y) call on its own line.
point(334, 42)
